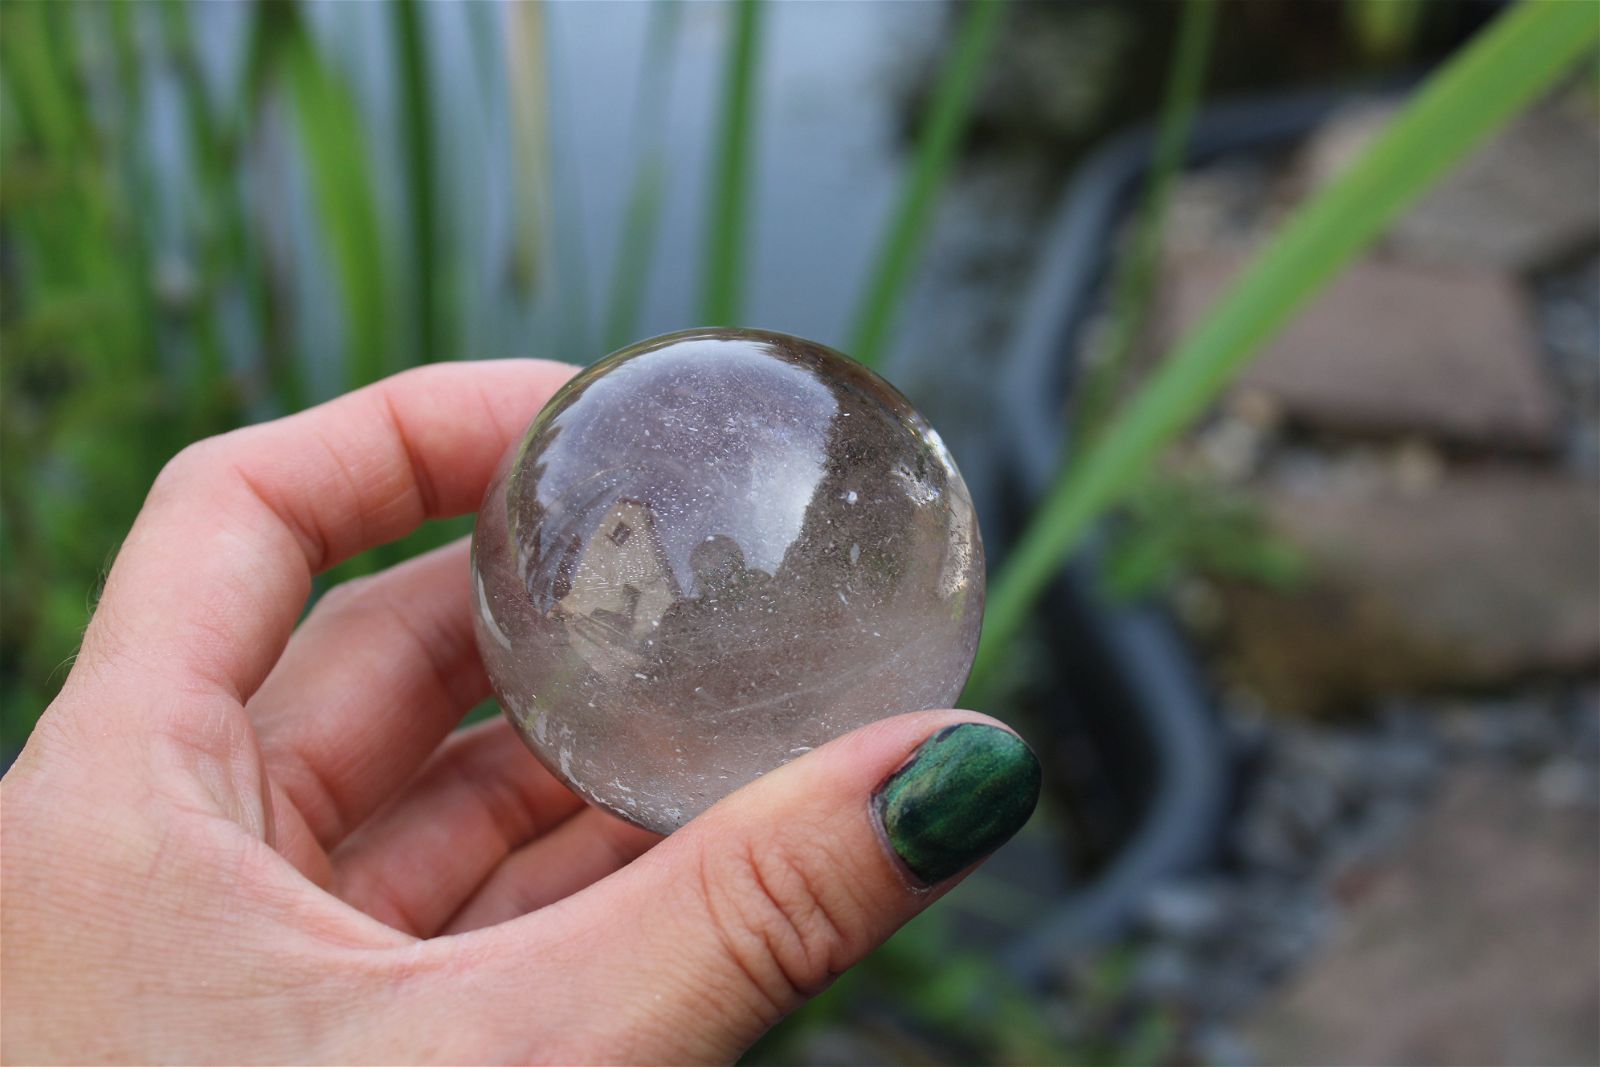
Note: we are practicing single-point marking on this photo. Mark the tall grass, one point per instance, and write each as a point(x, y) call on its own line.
point(416, 97)
point(1510, 63)
point(106, 372)
point(110, 364)
point(116, 351)
point(332, 137)
point(530, 137)
point(937, 141)
point(1134, 283)
point(724, 278)
point(216, 226)
point(642, 218)
point(81, 368)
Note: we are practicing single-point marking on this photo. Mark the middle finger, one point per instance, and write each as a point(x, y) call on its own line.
point(377, 675)
point(481, 798)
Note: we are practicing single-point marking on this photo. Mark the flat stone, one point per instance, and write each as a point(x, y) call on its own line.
point(1475, 944)
point(1523, 201)
point(1482, 579)
point(1390, 349)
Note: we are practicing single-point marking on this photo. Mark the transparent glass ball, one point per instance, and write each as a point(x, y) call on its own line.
point(712, 552)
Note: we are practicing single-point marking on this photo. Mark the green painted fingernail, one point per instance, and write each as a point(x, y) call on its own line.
point(963, 793)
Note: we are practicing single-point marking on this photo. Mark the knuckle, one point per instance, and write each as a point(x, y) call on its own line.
point(198, 469)
point(192, 463)
point(780, 924)
point(349, 595)
point(410, 377)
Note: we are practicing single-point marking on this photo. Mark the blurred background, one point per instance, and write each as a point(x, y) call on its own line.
point(1318, 701)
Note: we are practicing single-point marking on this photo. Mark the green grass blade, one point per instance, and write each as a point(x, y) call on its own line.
point(1518, 56)
point(217, 220)
point(530, 139)
point(47, 101)
point(723, 295)
point(1135, 280)
point(73, 226)
point(936, 146)
point(330, 128)
point(416, 110)
point(134, 207)
point(241, 133)
point(643, 217)
point(634, 252)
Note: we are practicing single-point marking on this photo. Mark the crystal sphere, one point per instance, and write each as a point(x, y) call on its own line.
point(712, 552)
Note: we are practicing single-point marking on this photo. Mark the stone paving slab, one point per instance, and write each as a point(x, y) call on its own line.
point(1393, 349)
point(1479, 943)
point(1524, 201)
point(1484, 578)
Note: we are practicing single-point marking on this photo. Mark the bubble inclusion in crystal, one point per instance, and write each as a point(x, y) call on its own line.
point(712, 552)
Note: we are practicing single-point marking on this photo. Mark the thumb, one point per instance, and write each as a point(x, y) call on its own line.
point(697, 948)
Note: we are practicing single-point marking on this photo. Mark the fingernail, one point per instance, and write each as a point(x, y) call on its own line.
point(962, 795)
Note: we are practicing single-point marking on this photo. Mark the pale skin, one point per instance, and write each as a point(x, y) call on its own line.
point(234, 839)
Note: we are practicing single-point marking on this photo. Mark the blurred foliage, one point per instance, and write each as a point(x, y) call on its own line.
point(116, 350)
point(135, 319)
point(930, 997)
point(89, 409)
point(925, 987)
point(941, 133)
point(1133, 283)
point(1386, 28)
point(641, 223)
point(1173, 525)
point(724, 274)
point(1524, 52)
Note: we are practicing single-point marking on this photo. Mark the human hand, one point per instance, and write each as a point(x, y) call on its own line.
point(230, 839)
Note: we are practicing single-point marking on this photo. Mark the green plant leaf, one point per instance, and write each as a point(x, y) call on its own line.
point(730, 188)
point(1514, 59)
point(330, 128)
point(1134, 283)
point(642, 219)
point(530, 139)
point(937, 140)
point(41, 79)
point(416, 109)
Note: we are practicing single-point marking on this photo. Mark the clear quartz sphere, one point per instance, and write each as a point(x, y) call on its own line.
point(712, 552)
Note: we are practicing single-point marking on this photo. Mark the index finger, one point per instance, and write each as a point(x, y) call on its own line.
point(218, 565)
